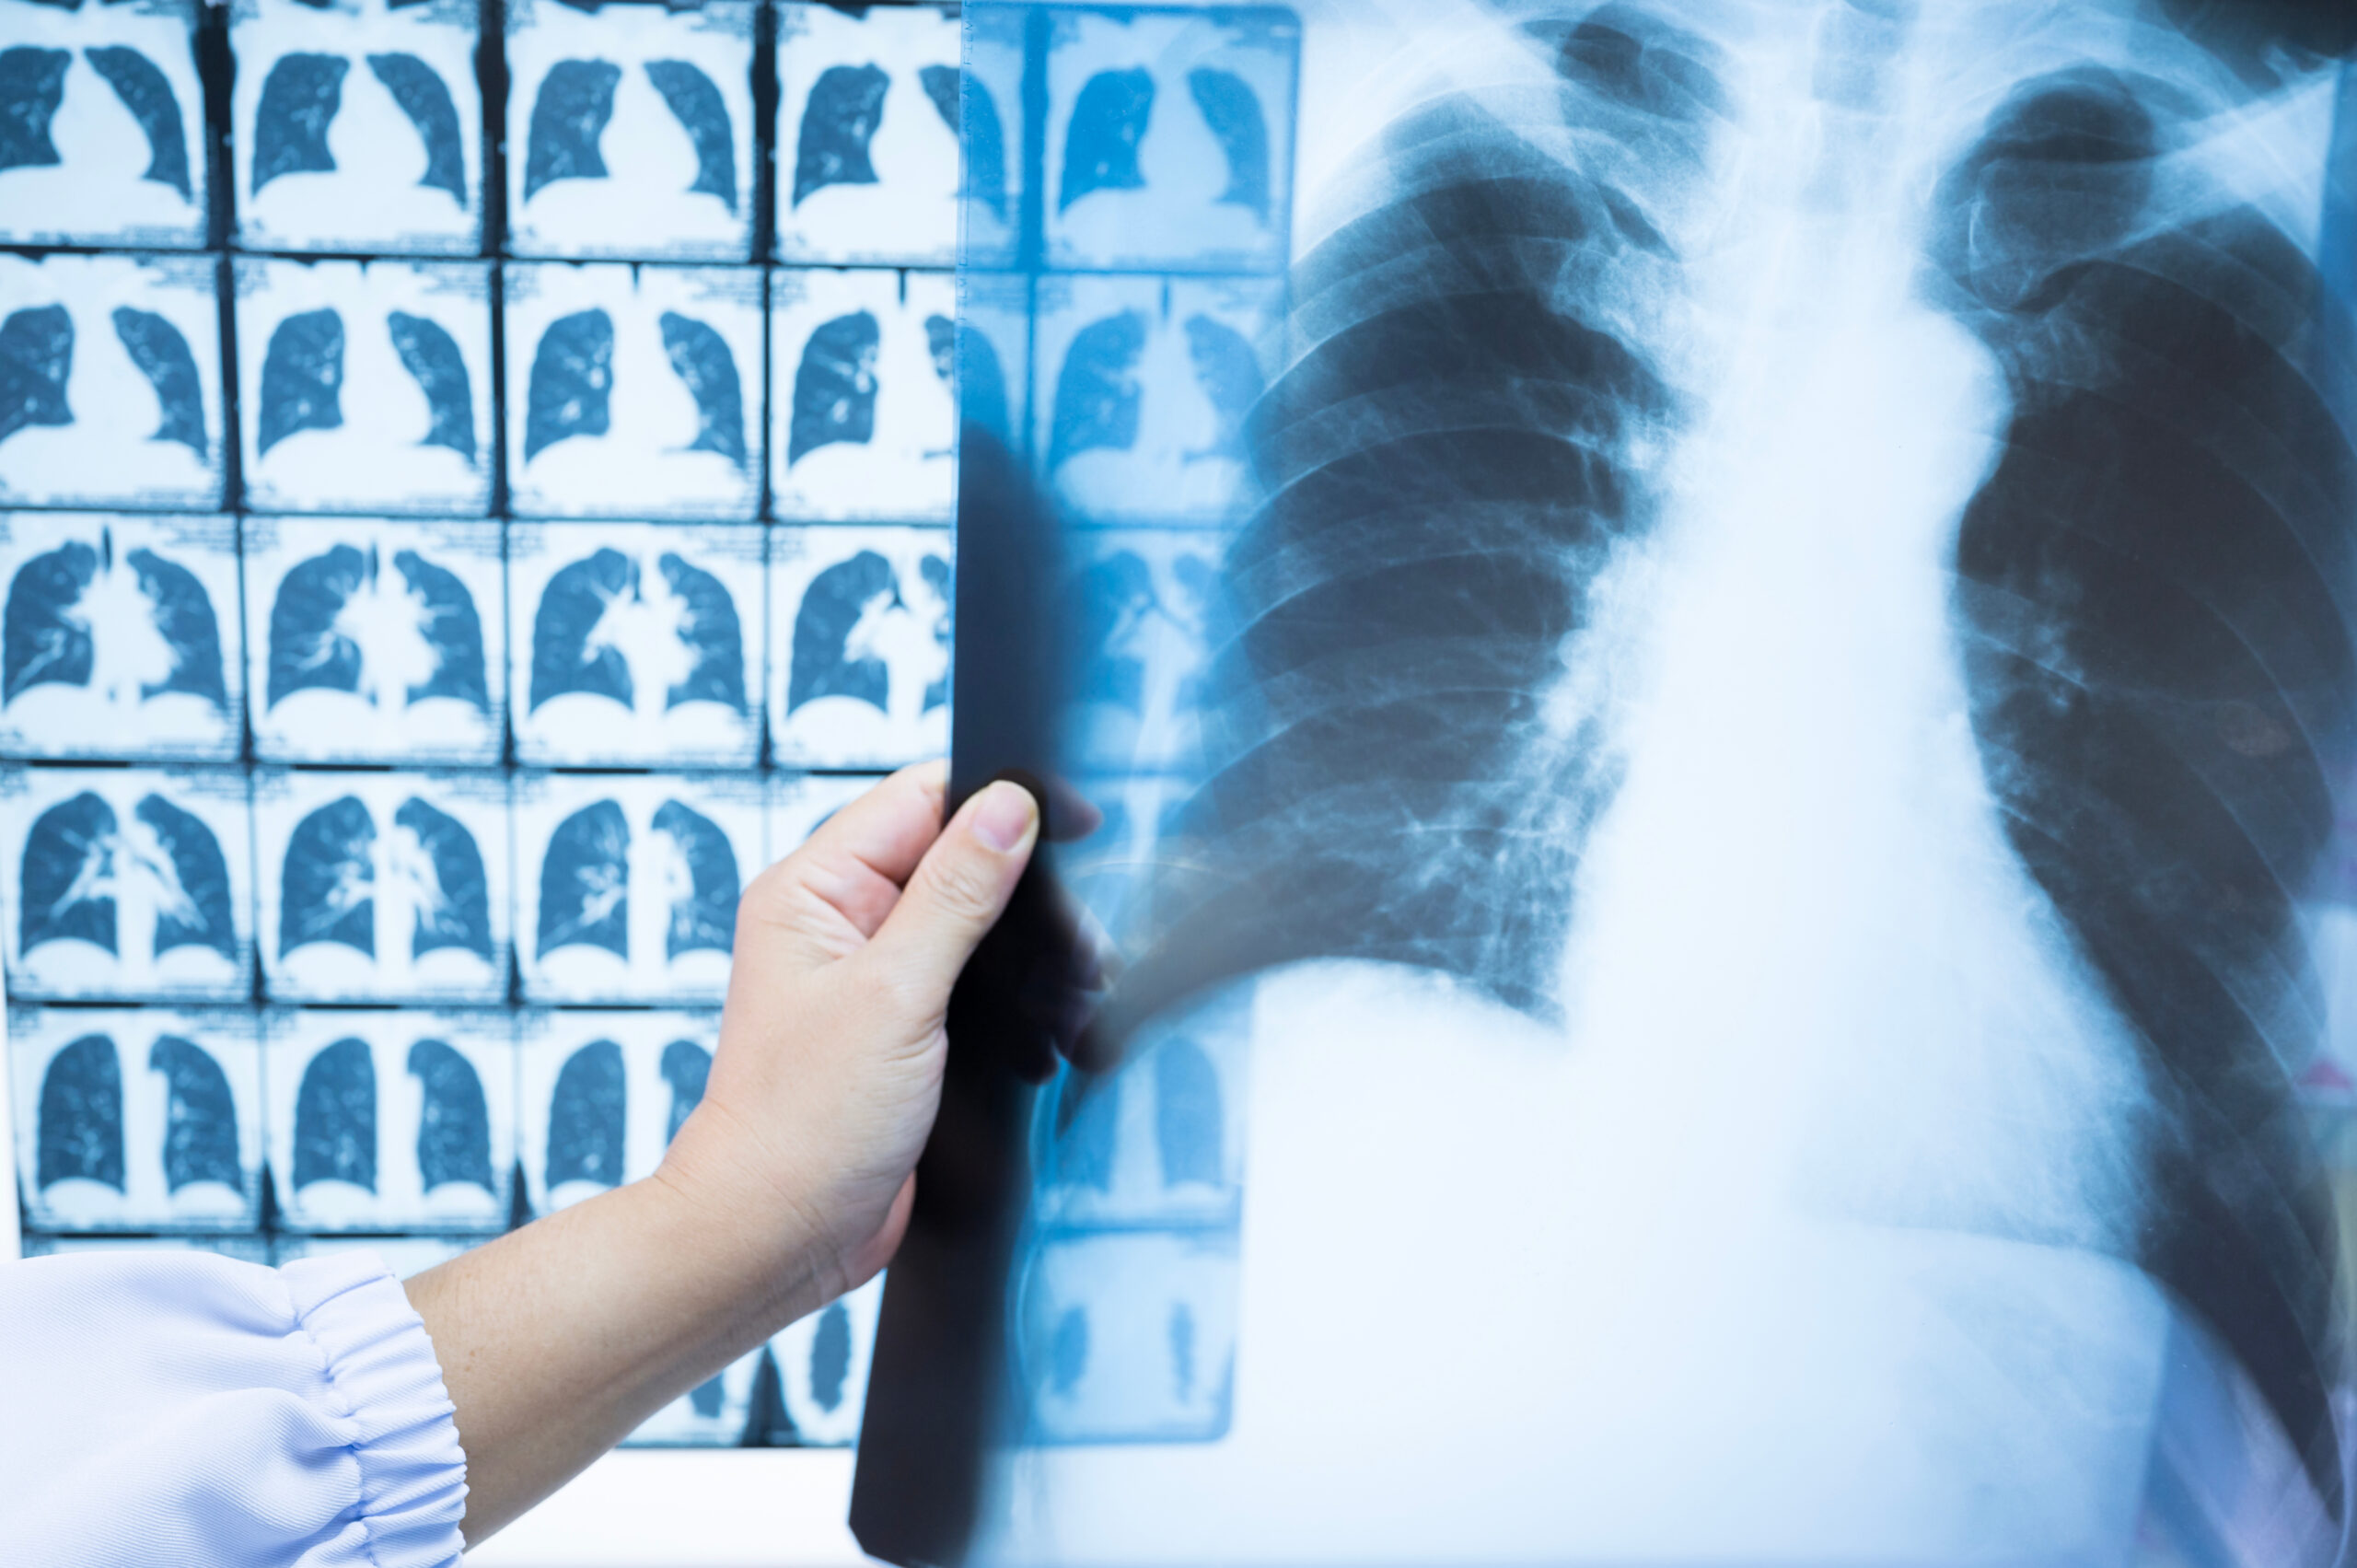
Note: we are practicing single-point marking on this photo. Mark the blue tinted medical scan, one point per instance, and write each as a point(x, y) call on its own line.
point(1692, 671)
point(476, 488)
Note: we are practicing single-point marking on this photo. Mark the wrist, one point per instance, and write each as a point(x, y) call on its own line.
point(740, 1226)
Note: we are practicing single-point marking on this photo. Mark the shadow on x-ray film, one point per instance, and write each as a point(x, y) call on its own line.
point(1712, 702)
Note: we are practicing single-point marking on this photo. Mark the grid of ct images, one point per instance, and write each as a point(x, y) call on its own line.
point(475, 487)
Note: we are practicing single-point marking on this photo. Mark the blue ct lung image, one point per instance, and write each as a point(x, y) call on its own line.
point(454, 1123)
point(697, 105)
point(200, 1116)
point(36, 358)
point(1232, 110)
point(983, 135)
point(834, 387)
point(577, 99)
point(1108, 122)
point(705, 919)
point(302, 377)
point(307, 651)
point(66, 885)
point(685, 1067)
point(700, 357)
point(969, 361)
point(845, 107)
point(184, 619)
point(1229, 374)
point(195, 908)
point(147, 93)
point(830, 608)
point(426, 98)
point(455, 911)
point(573, 375)
point(452, 628)
point(585, 882)
point(327, 885)
point(299, 99)
point(335, 1117)
point(32, 84)
point(574, 601)
point(713, 634)
point(43, 640)
point(1098, 398)
point(80, 1136)
point(431, 356)
point(586, 1116)
point(162, 354)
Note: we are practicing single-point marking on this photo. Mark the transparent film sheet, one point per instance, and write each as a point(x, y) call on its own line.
point(1693, 669)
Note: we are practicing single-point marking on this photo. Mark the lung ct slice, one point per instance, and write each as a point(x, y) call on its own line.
point(43, 640)
point(587, 1117)
point(329, 884)
point(846, 106)
point(834, 387)
point(453, 895)
point(701, 358)
point(585, 882)
point(195, 909)
point(302, 377)
point(702, 113)
point(80, 1133)
point(49, 628)
point(839, 599)
point(426, 98)
point(299, 100)
point(335, 1118)
point(32, 84)
point(1098, 394)
point(564, 630)
point(452, 628)
point(162, 354)
point(431, 356)
point(148, 96)
point(36, 357)
point(307, 649)
point(66, 884)
point(183, 617)
point(569, 117)
point(983, 133)
point(713, 635)
point(704, 916)
point(1108, 122)
point(572, 379)
point(200, 1116)
point(454, 1124)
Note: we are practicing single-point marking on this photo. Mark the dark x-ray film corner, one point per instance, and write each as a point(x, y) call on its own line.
point(1704, 653)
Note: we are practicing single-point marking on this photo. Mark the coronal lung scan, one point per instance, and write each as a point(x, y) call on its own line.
point(1720, 863)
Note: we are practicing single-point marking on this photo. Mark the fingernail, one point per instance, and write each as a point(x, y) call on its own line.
point(1004, 816)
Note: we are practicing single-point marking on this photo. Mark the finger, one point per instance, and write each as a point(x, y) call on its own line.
point(827, 898)
point(957, 893)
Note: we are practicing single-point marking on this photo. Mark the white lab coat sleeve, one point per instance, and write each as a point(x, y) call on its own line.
point(182, 1408)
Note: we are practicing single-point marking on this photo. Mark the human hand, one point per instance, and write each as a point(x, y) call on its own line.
point(833, 1041)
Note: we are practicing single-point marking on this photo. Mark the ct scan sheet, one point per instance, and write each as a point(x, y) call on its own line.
point(1693, 664)
point(413, 642)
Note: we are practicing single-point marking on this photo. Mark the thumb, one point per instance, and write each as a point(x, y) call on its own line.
point(959, 891)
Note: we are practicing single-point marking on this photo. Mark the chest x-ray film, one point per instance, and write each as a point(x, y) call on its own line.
point(1692, 667)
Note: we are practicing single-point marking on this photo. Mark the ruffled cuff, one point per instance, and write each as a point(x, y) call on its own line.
point(382, 1373)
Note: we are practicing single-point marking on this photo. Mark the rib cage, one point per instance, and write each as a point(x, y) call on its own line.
point(1451, 462)
point(2151, 602)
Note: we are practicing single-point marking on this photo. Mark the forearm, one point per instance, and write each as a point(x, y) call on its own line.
point(557, 1340)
